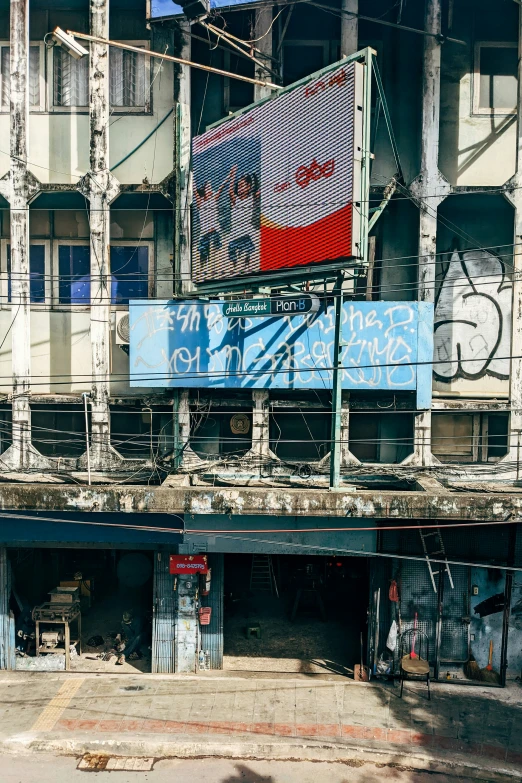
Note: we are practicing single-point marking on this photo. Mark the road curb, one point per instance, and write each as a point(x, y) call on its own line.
point(352, 755)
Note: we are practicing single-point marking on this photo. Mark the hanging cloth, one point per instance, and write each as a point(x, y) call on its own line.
point(393, 593)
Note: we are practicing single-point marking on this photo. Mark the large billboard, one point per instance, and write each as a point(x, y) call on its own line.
point(182, 344)
point(278, 186)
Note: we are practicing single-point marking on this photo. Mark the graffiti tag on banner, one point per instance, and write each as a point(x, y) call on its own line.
point(275, 187)
point(193, 344)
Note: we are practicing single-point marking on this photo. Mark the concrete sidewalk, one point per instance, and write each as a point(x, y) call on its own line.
point(326, 717)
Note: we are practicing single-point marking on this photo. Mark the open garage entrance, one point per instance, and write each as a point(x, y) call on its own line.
point(294, 613)
point(75, 599)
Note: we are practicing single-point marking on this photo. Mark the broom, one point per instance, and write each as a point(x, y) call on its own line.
point(472, 669)
point(488, 674)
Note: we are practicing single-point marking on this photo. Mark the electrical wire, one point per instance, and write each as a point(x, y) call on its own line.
point(233, 536)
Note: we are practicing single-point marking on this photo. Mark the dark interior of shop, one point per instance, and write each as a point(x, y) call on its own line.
point(295, 613)
point(92, 594)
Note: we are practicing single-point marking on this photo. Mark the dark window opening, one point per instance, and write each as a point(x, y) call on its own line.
point(223, 432)
point(59, 430)
point(130, 273)
point(36, 273)
point(141, 432)
point(74, 268)
point(300, 60)
point(300, 434)
point(381, 437)
point(6, 427)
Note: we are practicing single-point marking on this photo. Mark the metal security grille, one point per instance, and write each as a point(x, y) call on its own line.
point(6, 618)
point(212, 634)
point(454, 641)
point(418, 598)
point(128, 79)
point(71, 79)
point(274, 186)
point(34, 75)
point(163, 624)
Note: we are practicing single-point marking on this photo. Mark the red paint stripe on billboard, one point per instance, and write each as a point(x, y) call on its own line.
point(327, 239)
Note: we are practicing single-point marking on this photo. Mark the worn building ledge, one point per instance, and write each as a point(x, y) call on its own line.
point(417, 505)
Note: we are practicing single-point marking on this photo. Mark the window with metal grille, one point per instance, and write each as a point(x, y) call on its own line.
point(128, 80)
point(34, 85)
point(71, 79)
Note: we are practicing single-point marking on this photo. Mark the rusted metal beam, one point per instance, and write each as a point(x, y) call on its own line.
point(170, 58)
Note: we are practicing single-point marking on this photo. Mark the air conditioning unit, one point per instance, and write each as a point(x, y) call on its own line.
point(122, 329)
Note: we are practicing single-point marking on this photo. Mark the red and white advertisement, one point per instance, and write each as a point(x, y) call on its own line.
point(275, 187)
point(188, 564)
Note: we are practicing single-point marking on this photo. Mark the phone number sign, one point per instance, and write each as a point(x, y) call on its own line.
point(188, 564)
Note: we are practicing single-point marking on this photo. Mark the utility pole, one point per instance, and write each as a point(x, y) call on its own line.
point(337, 366)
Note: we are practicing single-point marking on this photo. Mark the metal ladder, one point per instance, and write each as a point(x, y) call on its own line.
point(439, 551)
point(262, 577)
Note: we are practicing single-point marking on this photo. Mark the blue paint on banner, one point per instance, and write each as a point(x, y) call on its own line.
point(160, 8)
point(192, 344)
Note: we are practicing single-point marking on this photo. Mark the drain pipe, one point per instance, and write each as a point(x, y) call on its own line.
point(85, 395)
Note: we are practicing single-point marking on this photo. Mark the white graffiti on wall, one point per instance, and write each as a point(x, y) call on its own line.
point(473, 318)
point(194, 344)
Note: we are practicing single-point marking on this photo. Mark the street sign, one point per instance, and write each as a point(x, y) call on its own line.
point(277, 305)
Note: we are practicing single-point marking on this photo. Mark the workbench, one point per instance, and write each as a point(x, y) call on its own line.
point(59, 614)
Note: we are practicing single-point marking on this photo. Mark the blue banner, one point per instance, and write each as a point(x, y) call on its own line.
point(161, 8)
point(180, 344)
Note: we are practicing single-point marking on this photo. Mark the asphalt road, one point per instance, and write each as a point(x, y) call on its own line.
point(49, 769)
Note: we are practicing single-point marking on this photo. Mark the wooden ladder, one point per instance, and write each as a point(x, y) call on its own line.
point(262, 577)
point(439, 551)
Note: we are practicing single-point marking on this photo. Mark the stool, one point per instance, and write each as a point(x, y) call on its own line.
point(253, 630)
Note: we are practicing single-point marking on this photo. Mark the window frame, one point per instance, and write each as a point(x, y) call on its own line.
point(57, 243)
point(479, 440)
point(145, 110)
point(41, 106)
point(476, 107)
point(4, 304)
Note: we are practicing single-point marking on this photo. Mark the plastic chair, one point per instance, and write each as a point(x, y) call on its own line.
point(414, 657)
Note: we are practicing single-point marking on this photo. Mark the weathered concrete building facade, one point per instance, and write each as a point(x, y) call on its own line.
point(96, 197)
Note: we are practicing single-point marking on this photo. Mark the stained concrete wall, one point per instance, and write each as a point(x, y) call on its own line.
point(60, 354)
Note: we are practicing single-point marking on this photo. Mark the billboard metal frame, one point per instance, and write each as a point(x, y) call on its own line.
point(279, 278)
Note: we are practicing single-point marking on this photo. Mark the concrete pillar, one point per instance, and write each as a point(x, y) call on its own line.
point(263, 35)
point(19, 196)
point(186, 635)
point(429, 182)
point(183, 284)
point(349, 27)
point(514, 195)
point(102, 189)
point(260, 426)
